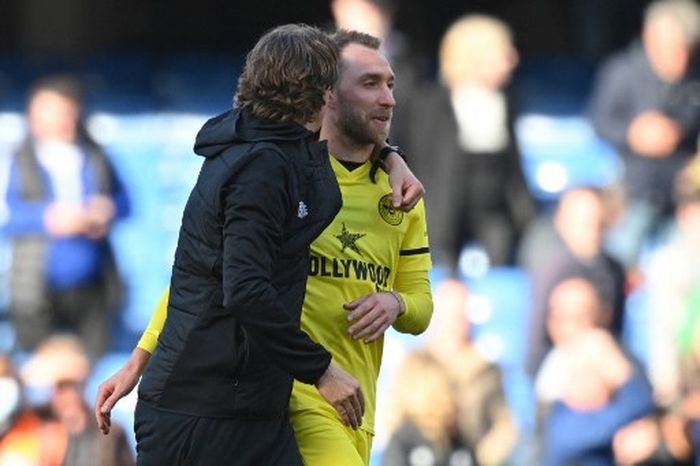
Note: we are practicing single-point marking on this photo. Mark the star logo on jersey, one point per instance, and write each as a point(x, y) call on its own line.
point(348, 240)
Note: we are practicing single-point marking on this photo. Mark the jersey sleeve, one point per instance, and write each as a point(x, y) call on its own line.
point(412, 281)
point(415, 249)
point(149, 338)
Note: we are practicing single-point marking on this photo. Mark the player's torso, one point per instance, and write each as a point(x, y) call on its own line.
point(356, 254)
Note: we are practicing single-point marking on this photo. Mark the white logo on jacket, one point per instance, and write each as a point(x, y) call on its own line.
point(303, 210)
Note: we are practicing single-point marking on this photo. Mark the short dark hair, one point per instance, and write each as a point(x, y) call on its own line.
point(65, 85)
point(287, 74)
point(345, 37)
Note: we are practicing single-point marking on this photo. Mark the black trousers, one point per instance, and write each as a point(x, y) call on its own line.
point(172, 439)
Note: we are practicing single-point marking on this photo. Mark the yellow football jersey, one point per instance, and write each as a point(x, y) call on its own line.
point(361, 252)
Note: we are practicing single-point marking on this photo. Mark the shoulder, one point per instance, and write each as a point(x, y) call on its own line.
point(624, 61)
point(252, 159)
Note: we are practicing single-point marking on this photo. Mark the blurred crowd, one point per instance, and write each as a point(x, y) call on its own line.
point(603, 388)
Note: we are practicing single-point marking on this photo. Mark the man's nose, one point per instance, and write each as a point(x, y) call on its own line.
point(387, 97)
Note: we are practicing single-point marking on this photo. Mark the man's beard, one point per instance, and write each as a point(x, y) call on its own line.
point(352, 125)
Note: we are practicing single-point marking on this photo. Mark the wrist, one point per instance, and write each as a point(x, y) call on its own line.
point(388, 155)
point(325, 375)
point(400, 301)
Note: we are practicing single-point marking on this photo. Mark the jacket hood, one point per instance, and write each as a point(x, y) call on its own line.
point(235, 126)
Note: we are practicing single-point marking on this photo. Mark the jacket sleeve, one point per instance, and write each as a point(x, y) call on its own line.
point(256, 203)
point(571, 433)
point(611, 110)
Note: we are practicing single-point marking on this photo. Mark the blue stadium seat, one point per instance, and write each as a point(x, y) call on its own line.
point(499, 314)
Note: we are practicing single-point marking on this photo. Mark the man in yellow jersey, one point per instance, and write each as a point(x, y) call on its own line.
point(369, 267)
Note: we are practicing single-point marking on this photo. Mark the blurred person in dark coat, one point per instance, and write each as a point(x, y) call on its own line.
point(462, 145)
point(571, 244)
point(646, 104)
point(63, 198)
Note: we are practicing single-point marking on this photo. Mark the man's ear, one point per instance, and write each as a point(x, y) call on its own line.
point(331, 99)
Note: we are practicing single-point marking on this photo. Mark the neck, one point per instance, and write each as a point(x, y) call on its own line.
point(344, 148)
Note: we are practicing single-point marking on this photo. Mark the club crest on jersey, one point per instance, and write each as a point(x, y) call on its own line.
point(387, 211)
point(303, 211)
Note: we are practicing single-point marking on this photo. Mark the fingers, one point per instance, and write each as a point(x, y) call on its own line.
point(104, 422)
point(353, 304)
point(109, 403)
point(351, 417)
point(363, 307)
point(352, 409)
point(373, 323)
point(377, 333)
point(102, 416)
point(396, 197)
point(413, 194)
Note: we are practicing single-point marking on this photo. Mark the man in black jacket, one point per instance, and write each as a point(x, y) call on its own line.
point(217, 387)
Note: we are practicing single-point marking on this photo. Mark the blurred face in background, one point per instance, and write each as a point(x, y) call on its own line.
point(68, 405)
point(477, 50)
point(580, 220)
point(53, 117)
point(362, 103)
point(496, 62)
point(688, 220)
point(574, 307)
point(360, 15)
point(667, 47)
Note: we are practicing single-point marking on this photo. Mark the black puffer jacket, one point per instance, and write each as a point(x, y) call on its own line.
point(264, 192)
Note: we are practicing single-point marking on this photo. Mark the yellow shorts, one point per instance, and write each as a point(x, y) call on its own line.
point(325, 441)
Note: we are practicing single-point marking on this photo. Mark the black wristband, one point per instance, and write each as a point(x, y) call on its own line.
point(381, 158)
point(388, 149)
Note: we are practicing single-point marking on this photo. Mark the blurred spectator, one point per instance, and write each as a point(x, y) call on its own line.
point(425, 426)
point(483, 416)
point(28, 437)
point(63, 197)
point(645, 104)
point(673, 278)
point(666, 439)
point(463, 147)
point(657, 440)
point(376, 17)
point(571, 245)
point(61, 364)
point(587, 386)
point(690, 405)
